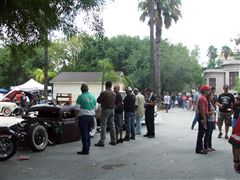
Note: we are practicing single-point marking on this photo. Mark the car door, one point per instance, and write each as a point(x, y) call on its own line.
point(71, 130)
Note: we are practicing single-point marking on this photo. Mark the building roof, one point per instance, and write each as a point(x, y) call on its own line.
point(231, 62)
point(77, 77)
point(214, 71)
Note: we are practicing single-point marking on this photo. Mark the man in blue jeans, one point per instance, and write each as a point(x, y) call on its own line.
point(86, 103)
point(129, 110)
point(139, 110)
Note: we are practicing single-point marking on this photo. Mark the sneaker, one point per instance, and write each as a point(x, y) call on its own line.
point(219, 135)
point(146, 135)
point(133, 138)
point(99, 144)
point(226, 136)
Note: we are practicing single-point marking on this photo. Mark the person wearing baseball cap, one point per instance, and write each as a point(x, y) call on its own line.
point(202, 111)
point(225, 104)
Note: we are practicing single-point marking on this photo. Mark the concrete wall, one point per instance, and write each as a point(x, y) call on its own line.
point(74, 89)
point(219, 81)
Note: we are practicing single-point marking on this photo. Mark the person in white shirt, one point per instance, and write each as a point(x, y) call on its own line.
point(139, 113)
point(167, 99)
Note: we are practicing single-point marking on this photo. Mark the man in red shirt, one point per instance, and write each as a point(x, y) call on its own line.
point(235, 137)
point(202, 111)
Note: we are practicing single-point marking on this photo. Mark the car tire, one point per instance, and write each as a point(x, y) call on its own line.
point(6, 111)
point(38, 138)
point(11, 143)
point(94, 128)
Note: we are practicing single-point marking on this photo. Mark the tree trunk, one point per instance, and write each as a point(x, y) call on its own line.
point(159, 24)
point(151, 62)
point(46, 69)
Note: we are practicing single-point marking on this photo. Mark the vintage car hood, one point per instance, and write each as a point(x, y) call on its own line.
point(10, 104)
point(40, 107)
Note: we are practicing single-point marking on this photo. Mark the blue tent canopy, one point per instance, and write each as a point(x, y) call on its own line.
point(3, 90)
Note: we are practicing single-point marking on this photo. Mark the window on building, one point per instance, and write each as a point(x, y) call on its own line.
point(233, 78)
point(212, 82)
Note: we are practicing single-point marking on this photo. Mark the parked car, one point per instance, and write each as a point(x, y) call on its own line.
point(45, 124)
point(8, 108)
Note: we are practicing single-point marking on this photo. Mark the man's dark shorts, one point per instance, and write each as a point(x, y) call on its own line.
point(118, 121)
point(225, 117)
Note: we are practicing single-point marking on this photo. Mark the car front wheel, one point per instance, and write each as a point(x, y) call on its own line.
point(38, 138)
point(6, 111)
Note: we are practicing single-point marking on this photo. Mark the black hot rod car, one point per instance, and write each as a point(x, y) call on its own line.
point(49, 124)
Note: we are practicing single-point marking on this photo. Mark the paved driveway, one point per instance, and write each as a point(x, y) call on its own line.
point(169, 156)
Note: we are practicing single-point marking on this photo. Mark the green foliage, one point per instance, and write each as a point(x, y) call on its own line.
point(238, 86)
point(105, 66)
point(212, 52)
point(212, 63)
point(226, 51)
point(85, 53)
point(29, 21)
point(178, 68)
point(38, 75)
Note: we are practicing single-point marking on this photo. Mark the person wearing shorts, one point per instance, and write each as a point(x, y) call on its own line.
point(225, 104)
point(118, 115)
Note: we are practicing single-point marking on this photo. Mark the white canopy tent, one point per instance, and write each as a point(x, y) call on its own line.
point(30, 85)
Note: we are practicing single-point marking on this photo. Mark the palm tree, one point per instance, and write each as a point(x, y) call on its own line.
point(226, 51)
point(147, 8)
point(165, 11)
point(39, 76)
point(212, 52)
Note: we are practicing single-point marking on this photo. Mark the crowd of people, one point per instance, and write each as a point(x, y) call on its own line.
point(184, 101)
point(24, 102)
point(133, 107)
point(206, 106)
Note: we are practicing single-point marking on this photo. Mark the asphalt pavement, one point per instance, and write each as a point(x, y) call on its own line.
point(170, 155)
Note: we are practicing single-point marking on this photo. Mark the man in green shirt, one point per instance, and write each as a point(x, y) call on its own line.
point(87, 105)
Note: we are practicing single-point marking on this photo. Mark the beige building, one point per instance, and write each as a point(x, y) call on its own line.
point(227, 73)
point(70, 82)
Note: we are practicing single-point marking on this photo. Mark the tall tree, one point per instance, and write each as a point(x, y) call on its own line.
point(212, 54)
point(165, 11)
point(226, 52)
point(31, 21)
point(147, 8)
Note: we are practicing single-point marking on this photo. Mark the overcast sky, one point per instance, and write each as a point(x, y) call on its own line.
point(203, 23)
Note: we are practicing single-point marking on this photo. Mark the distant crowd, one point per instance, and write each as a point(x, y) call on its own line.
point(185, 101)
point(24, 102)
